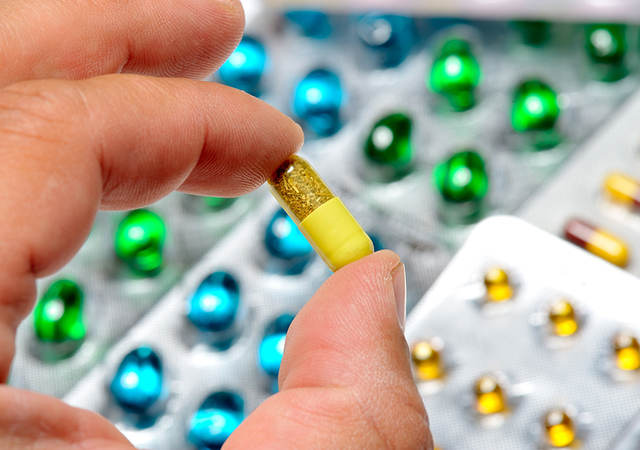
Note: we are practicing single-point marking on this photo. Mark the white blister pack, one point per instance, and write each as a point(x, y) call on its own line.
point(525, 341)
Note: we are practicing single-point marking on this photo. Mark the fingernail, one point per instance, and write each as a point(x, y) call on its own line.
point(399, 280)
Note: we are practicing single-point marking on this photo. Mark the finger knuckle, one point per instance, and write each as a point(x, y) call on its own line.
point(37, 111)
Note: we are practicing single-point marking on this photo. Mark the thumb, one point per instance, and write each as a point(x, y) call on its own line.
point(345, 379)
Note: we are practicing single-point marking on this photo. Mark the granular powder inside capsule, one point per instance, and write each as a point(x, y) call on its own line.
point(321, 216)
point(296, 185)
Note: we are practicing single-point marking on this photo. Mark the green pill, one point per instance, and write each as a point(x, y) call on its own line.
point(455, 74)
point(606, 47)
point(462, 178)
point(534, 33)
point(389, 142)
point(139, 242)
point(535, 107)
point(58, 313)
point(218, 203)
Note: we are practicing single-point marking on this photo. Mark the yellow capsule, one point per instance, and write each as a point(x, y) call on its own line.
point(597, 241)
point(426, 361)
point(563, 318)
point(559, 428)
point(322, 217)
point(489, 397)
point(627, 351)
point(623, 189)
point(496, 281)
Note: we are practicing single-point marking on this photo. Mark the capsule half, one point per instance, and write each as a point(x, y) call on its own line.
point(321, 216)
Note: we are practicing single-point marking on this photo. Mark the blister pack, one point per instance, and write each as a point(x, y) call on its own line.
point(441, 122)
point(128, 262)
point(525, 341)
point(596, 197)
point(220, 331)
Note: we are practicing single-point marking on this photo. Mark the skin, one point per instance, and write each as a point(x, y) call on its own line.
point(97, 111)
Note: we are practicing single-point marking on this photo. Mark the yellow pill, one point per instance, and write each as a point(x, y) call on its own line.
point(321, 216)
point(426, 361)
point(562, 318)
point(623, 189)
point(559, 428)
point(627, 351)
point(496, 282)
point(489, 397)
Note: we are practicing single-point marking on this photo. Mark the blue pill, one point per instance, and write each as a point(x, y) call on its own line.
point(377, 242)
point(214, 304)
point(317, 100)
point(270, 353)
point(246, 66)
point(272, 346)
point(215, 420)
point(390, 37)
point(274, 388)
point(313, 24)
point(137, 384)
point(284, 240)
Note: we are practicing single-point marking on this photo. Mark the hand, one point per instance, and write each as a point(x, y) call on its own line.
point(122, 141)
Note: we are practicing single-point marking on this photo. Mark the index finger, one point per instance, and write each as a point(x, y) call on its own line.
point(79, 39)
point(121, 141)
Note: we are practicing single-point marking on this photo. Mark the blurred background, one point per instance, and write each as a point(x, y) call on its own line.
point(425, 118)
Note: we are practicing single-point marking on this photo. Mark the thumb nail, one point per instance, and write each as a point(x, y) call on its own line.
point(399, 280)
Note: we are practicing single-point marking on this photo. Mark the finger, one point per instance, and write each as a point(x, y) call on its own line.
point(345, 378)
point(119, 140)
point(79, 39)
point(31, 420)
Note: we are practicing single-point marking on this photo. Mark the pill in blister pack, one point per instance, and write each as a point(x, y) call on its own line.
point(554, 364)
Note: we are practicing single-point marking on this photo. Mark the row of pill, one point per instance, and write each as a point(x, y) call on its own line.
point(392, 38)
point(562, 318)
point(454, 76)
point(319, 97)
point(429, 364)
point(214, 305)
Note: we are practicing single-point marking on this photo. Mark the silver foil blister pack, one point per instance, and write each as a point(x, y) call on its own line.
point(513, 342)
